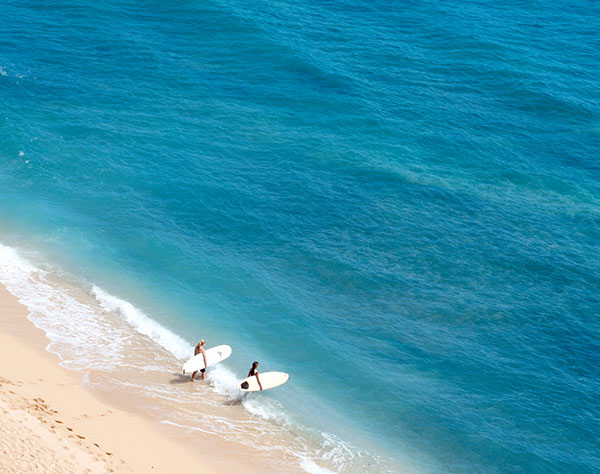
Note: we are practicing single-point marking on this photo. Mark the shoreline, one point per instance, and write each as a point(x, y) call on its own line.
point(121, 357)
point(52, 421)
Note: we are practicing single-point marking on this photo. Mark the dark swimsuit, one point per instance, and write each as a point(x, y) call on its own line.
point(252, 372)
point(201, 370)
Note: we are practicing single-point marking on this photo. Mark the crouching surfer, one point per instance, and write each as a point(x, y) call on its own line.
point(200, 349)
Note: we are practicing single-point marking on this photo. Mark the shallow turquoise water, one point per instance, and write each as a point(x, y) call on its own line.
point(396, 202)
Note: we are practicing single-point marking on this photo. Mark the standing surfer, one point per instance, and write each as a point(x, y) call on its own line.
point(200, 349)
point(253, 372)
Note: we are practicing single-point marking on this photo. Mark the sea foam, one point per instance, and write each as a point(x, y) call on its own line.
point(142, 323)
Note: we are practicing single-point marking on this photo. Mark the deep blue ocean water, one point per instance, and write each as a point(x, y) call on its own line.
point(396, 202)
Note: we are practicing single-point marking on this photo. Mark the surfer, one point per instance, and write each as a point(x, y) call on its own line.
point(253, 372)
point(200, 349)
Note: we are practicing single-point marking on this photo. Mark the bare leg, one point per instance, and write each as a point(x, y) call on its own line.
point(193, 376)
point(203, 375)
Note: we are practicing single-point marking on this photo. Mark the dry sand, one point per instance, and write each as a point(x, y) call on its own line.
point(51, 424)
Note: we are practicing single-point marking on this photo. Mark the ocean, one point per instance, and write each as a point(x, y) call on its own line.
point(398, 203)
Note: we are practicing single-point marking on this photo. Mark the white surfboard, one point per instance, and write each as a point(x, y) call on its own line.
point(267, 380)
point(213, 356)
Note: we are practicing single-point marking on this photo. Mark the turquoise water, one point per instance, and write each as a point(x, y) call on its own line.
point(396, 202)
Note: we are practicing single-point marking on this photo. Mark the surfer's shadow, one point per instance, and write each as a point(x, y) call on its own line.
point(233, 402)
point(179, 379)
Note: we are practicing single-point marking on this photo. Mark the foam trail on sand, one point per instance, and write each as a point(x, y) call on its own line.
point(311, 467)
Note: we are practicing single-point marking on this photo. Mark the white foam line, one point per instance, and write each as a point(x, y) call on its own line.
point(143, 324)
point(14, 267)
point(193, 428)
point(313, 468)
